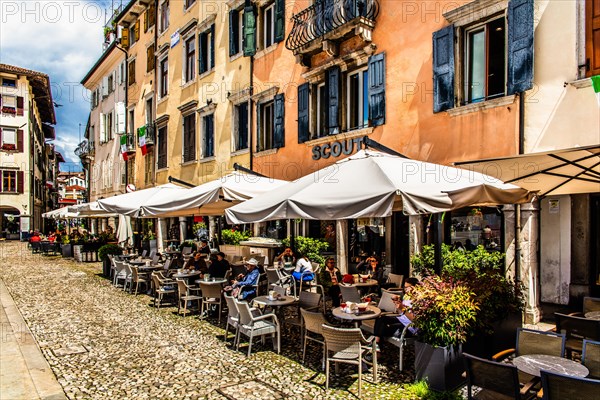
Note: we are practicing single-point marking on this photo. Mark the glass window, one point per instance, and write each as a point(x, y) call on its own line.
point(9, 82)
point(164, 77)
point(476, 226)
point(164, 15)
point(190, 59)
point(9, 181)
point(9, 136)
point(208, 145)
point(266, 126)
point(269, 25)
point(358, 100)
point(241, 127)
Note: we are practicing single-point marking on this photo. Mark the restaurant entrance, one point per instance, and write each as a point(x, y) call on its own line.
point(595, 246)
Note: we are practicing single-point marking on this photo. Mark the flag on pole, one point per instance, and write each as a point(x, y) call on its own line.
point(124, 147)
point(142, 139)
point(596, 86)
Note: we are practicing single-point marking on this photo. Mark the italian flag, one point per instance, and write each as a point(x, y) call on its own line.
point(124, 146)
point(596, 86)
point(142, 139)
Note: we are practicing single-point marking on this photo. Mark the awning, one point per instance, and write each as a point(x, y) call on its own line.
point(564, 171)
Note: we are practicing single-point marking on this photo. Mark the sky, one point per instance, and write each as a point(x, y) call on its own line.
point(63, 39)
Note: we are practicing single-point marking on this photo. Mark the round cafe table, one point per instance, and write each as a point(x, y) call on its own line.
point(184, 275)
point(595, 315)
point(371, 312)
point(534, 363)
point(212, 281)
point(369, 282)
point(281, 301)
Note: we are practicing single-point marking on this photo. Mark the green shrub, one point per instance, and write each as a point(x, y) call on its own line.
point(421, 390)
point(107, 249)
point(230, 236)
point(309, 247)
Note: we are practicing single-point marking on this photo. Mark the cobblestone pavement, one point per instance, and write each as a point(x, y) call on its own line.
point(104, 343)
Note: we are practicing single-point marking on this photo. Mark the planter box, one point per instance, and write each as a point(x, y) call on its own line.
point(441, 367)
point(67, 250)
point(232, 250)
point(503, 337)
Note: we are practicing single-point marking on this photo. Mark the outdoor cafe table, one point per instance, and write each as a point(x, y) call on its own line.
point(595, 315)
point(534, 363)
point(186, 275)
point(212, 281)
point(371, 312)
point(275, 304)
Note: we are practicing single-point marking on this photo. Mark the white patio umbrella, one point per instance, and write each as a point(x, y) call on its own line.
point(60, 213)
point(213, 197)
point(373, 184)
point(130, 204)
point(124, 231)
point(91, 210)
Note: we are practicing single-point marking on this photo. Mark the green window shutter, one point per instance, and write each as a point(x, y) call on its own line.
point(377, 89)
point(303, 110)
point(520, 46)
point(443, 69)
point(279, 20)
point(249, 31)
point(279, 121)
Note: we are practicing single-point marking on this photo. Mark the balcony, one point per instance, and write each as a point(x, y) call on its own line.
point(85, 149)
point(150, 135)
point(329, 21)
point(130, 146)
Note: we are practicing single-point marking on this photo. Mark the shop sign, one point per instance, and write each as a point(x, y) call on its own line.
point(337, 148)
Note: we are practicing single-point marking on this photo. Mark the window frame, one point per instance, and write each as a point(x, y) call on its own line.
point(164, 16)
point(235, 137)
point(4, 82)
point(189, 59)
point(184, 136)
point(187, 4)
point(4, 131)
point(204, 146)
point(265, 28)
point(363, 100)
point(6, 175)
point(163, 77)
point(266, 142)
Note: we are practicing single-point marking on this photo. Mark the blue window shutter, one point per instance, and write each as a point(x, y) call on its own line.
point(520, 46)
point(209, 136)
point(234, 17)
point(303, 128)
point(249, 31)
point(259, 128)
point(279, 20)
point(212, 46)
point(279, 121)
point(443, 69)
point(377, 89)
point(201, 50)
point(333, 107)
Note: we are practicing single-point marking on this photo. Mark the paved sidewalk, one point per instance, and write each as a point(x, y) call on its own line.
point(24, 372)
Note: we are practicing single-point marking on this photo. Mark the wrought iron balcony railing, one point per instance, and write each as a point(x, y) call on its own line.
point(150, 135)
point(85, 148)
point(326, 16)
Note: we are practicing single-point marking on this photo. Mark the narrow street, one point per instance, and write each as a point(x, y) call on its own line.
point(104, 343)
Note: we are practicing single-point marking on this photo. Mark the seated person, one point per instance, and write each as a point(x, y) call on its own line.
point(218, 266)
point(371, 266)
point(244, 287)
point(286, 258)
point(331, 278)
point(197, 262)
point(392, 325)
point(204, 249)
point(35, 237)
point(303, 269)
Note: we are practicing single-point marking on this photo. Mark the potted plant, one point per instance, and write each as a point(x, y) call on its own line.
point(312, 248)
point(66, 247)
point(445, 314)
point(103, 253)
point(231, 239)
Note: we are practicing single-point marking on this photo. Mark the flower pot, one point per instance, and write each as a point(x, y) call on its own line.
point(67, 250)
point(441, 367)
point(106, 268)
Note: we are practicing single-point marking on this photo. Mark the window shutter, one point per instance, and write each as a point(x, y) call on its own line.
point(377, 89)
point(151, 15)
point(19, 140)
point(146, 21)
point(279, 20)
point(125, 38)
point(279, 121)
point(137, 30)
point(102, 129)
point(20, 182)
point(150, 58)
point(209, 136)
point(443, 69)
point(212, 46)
point(201, 51)
point(234, 17)
point(333, 91)
point(1, 136)
point(20, 107)
point(303, 110)
point(520, 46)
point(0, 100)
point(249, 31)
point(104, 86)
point(592, 37)
point(120, 118)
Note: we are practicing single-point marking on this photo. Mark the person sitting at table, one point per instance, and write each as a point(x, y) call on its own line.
point(204, 249)
point(35, 237)
point(218, 266)
point(244, 287)
point(197, 262)
point(393, 325)
point(371, 266)
point(331, 278)
point(286, 258)
point(303, 269)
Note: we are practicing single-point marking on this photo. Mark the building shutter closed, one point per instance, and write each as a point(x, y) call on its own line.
point(592, 37)
point(19, 140)
point(279, 122)
point(20, 182)
point(212, 46)
point(520, 46)
point(443, 69)
point(279, 20)
point(303, 112)
point(333, 91)
point(20, 106)
point(377, 89)
point(249, 31)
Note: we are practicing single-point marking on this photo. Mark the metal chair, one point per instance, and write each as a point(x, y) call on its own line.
point(211, 295)
point(576, 329)
point(313, 323)
point(535, 342)
point(161, 288)
point(401, 343)
point(590, 357)
point(348, 345)
point(252, 326)
point(563, 387)
point(396, 279)
point(183, 291)
point(497, 380)
point(232, 317)
point(386, 305)
point(137, 278)
point(350, 293)
point(307, 301)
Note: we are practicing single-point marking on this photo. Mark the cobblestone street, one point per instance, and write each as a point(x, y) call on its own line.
point(104, 343)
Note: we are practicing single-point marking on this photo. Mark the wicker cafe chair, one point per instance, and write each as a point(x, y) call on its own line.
point(535, 342)
point(251, 326)
point(563, 387)
point(232, 317)
point(313, 323)
point(137, 278)
point(591, 357)
point(497, 380)
point(161, 288)
point(211, 295)
point(350, 293)
point(348, 346)
point(576, 329)
point(307, 301)
point(386, 305)
point(396, 280)
point(184, 295)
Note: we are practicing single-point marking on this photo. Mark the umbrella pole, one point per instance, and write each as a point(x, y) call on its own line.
point(437, 243)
